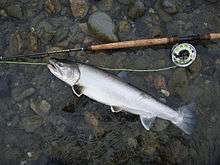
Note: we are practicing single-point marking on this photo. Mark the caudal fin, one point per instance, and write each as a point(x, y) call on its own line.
point(187, 121)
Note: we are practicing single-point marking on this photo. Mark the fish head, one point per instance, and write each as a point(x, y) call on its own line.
point(66, 72)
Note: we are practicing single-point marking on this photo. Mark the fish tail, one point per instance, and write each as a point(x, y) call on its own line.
point(187, 116)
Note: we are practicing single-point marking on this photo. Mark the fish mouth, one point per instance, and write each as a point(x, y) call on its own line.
point(52, 64)
point(54, 67)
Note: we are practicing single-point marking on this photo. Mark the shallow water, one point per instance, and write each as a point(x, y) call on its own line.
point(41, 120)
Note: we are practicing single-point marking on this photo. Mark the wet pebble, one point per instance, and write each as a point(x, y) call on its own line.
point(40, 107)
point(217, 61)
point(84, 27)
point(4, 88)
point(132, 142)
point(3, 13)
point(52, 6)
point(149, 143)
point(160, 82)
point(165, 92)
point(160, 125)
point(195, 68)
point(59, 122)
point(152, 23)
point(105, 5)
point(31, 123)
point(45, 31)
point(19, 96)
point(124, 26)
point(170, 6)
point(93, 120)
point(101, 25)
point(79, 8)
point(15, 11)
point(15, 43)
point(33, 41)
point(136, 10)
point(125, 30)
point(178, 152)
point(179, 84)
point(61, 33)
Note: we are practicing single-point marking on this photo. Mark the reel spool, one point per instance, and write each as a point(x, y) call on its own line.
point(183, 54)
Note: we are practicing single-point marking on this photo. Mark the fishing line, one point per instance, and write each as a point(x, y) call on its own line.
point(22, 63)
point(101, 67)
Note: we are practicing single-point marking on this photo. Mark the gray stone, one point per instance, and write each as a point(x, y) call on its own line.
point(101, 25)
point(58, 121)
point(3, 13)
point(41, 108)
point(19, 96)
point(132, 142)
point(16, 43)
point(160, 125)
point(125, 31)
point(45, 31)
point(31, 123)
point(136, 9)
point(105, 5)
point(179, 84)
point(61, 33)
point(170, 6)
point(79, 8)
point(15, 11)
point(52, 6)
point(195, 68)
point(178, 152)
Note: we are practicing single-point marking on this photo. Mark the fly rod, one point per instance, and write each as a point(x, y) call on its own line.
point(123, 44)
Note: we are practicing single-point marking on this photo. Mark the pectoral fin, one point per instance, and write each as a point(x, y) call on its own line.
point(116, 109)
point(77, 90)
point(147, 121)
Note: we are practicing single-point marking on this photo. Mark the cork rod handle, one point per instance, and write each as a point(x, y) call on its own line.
point(132, 44)
point(154, 41)
point(214, 36)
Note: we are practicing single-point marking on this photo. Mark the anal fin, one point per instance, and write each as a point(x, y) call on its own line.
point(77, 90)
point(116, 109)
point(147, 121)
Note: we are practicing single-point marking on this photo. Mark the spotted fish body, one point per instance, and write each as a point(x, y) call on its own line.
point(120, 96)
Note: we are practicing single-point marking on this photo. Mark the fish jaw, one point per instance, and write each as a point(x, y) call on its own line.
point(65, 72)
point(54, 69)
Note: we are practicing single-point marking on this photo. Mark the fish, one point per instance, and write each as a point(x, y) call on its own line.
point(110, 90)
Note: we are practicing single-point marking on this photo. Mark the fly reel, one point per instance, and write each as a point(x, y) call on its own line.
point(183, 54)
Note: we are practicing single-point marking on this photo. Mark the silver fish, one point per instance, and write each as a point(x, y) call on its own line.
point(110, 90)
